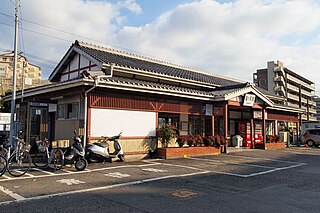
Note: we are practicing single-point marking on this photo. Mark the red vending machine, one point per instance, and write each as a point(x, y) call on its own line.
point(245, 132)
point(258, 133)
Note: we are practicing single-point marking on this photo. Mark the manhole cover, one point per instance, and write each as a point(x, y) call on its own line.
point(184, 193)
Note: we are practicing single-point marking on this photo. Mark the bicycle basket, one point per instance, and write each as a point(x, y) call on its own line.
point(41, 146)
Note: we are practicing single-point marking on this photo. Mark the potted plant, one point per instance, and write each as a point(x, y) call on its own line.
point(166, 133)
point(182, 141)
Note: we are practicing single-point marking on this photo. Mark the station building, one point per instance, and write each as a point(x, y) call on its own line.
point(100, 91)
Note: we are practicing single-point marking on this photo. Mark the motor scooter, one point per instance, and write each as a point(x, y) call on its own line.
point(99, 151)
point(76, 154)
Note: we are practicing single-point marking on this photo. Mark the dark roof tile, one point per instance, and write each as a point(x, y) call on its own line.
point(105, 55)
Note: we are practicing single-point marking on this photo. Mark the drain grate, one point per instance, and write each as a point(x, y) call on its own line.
point(184, 193)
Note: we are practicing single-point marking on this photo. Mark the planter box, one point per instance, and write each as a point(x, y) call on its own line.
point(179, 152)
point(274, 146)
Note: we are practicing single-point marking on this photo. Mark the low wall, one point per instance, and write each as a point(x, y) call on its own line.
point(176, 152)
point(275, 146)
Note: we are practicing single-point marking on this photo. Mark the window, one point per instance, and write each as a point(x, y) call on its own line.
point(72, 110)
point(172, 119)
point(270, 127)
point(68, 111)
point(60, 111)
point(194, 125)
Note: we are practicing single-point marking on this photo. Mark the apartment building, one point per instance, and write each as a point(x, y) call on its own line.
point(26, 72)
point(295, 90)
point(317, 100)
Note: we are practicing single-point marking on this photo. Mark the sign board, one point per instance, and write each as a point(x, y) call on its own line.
point(249, 100)
point(257, 114)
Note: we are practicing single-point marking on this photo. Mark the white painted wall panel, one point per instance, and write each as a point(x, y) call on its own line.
point(84, 62)
point(74, 64)
point(64, 77)
point(133, 123)
point(73, 75)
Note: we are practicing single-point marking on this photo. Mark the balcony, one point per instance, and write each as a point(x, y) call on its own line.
point(298, 81)
point(293, 97)
point(313, 111)
point(281, 90)
point(307, 93)
point(293, 88)
point(280, 79)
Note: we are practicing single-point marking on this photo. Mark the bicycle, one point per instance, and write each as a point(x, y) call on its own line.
point(3, 160)
point(19, 162)
point(43, 158)
point(3, 153)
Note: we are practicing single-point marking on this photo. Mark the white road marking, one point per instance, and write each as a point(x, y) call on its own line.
point(11, 194)
point(117, 175)
point(80, 172)
point(103, 187)
point(267, 159)
point(154, 170)
point(7, 177)
point(67, 171)
point(40, 170)
point(70, 181)
point(274, 170)
point(234, 163)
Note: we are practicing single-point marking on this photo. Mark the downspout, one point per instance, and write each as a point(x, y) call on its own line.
point(96, 83)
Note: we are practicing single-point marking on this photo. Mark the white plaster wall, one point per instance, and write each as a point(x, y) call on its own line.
point(74, 75)
point(84, 62)
point(109, 122)
point(64, 77)
point(74, 63)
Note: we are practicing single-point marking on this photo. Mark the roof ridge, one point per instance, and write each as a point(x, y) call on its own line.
point(151, 59)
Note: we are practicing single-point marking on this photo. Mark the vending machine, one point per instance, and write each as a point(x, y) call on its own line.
point(244, 129)
point(258, 133)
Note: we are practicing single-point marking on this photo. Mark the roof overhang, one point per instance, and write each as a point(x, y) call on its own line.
point(72, 51)
point(243, 91)
point(286, 108)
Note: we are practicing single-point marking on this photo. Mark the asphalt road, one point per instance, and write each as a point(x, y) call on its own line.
point(250, 181)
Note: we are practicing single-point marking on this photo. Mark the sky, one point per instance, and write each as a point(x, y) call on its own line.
point(230, 38)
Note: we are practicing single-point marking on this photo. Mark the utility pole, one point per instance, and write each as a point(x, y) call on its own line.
point(14, 75)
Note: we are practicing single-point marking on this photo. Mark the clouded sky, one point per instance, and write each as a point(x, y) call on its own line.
point(232, 38)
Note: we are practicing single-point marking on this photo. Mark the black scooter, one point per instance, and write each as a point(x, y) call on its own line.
point(75, 154)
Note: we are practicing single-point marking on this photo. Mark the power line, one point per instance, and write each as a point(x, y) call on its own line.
point(39, 33)
point(70, 33)
point(12, 2)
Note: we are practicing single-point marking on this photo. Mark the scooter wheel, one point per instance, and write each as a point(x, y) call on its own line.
point(92, 158)
point(81, 164)
point(121, 158)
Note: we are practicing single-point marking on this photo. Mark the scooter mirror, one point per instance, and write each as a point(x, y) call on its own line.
point(75, 132)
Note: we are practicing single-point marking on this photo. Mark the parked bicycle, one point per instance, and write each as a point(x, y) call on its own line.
point(53, 159)
point(19, 162)
point(3, 153)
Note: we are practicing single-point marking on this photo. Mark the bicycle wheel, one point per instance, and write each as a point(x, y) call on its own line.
point(3, 165)
point(58, 159)
point(40, 159)
point(19, 165)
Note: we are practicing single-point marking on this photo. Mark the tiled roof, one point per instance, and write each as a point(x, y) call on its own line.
point(133, 83)
point(137, 62)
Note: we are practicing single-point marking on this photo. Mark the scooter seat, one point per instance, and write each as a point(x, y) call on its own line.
point(101, 144)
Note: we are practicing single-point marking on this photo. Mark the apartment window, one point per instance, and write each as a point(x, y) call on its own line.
point(4, 59)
